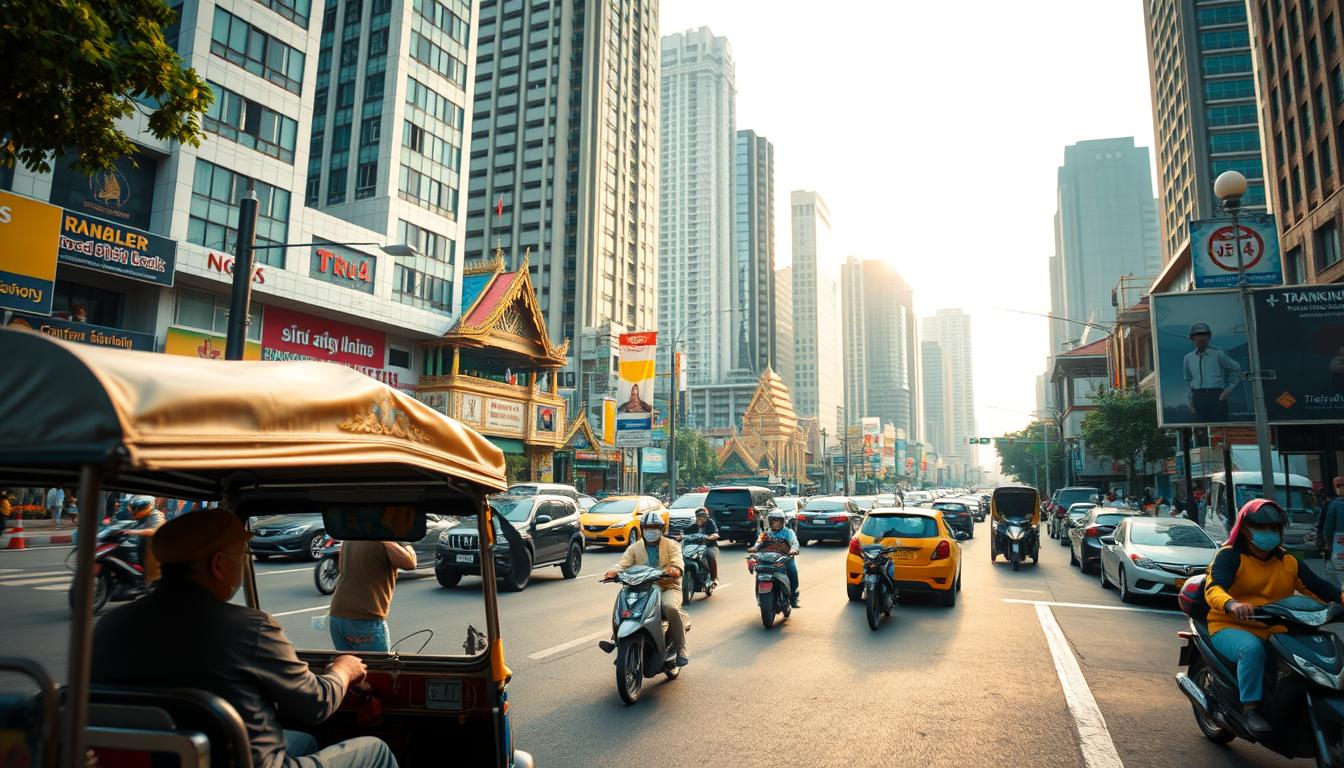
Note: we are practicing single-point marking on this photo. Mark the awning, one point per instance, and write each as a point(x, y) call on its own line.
point(508, 445)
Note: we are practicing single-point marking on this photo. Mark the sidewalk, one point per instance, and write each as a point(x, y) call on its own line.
point(38, 533)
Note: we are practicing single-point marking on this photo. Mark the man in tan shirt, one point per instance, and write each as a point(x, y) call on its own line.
point(358, 612)
point(656, 550)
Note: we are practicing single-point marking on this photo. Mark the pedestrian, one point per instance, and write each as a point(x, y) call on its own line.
point(6, 509)
point(357, 618)
point(1211, 374)
point(1334, 534)
point(72, 506)
point(55, 505)
point(170, 508)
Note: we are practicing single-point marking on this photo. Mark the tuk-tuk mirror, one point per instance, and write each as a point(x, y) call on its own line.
point(374, 522)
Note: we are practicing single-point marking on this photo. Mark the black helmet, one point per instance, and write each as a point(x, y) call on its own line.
point(1263, 512)
point(1200, 328)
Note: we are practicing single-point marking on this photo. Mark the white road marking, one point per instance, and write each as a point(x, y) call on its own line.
point(54, 587)
point(286, 570)
point(302, 610)
point(44, 580)
point(1091, 605)
point(586, 576)
point(1093, 737)
point(561, 648)
point(21, 574)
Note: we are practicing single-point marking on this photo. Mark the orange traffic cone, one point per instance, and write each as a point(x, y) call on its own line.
point(16, 540)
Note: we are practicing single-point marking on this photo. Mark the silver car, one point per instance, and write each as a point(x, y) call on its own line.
point(1154, 556)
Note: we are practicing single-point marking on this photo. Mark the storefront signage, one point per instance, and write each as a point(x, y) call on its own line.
point(116, 248)
point(1213, 251)
point(504, 414)
point(28, 236)
point(342, 266)
point(285, 331)
point(123, 193)
point(654, 460)
point(224, 265)
point(189, 342)
point(83, 333)
point(1301, 333)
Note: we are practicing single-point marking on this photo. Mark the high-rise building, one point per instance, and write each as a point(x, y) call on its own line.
point(891, 348)
point(1302, 103)
point(951, 330)
point(1105, 227)
point(754, 255)
point(781, 334)
point(564, 156)
point(852, 312)
point(696, 255)
point(937, 395)
point(818, 359)
point(1205, 118)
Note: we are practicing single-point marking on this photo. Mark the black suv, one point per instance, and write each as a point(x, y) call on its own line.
point(739, 511)
point(548, 524)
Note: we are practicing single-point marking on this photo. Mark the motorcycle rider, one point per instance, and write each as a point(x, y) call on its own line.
point(658, 551)
point(776, 530)
point(710, 529)
point(1253, 569)
point(147, 520)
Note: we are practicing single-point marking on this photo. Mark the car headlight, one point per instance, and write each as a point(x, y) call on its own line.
point(1143, 562)
point(296, 529)
point(617, 525)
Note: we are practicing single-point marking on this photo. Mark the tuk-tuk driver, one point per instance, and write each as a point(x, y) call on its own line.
point(187, 634)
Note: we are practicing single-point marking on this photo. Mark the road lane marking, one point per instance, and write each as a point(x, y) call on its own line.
point(44, 580)
point(1053, 604)
point(561, 648)
point(302, 610)
point(287, 570)
point(32, 575)
point(586, 576)
point(1094, 739)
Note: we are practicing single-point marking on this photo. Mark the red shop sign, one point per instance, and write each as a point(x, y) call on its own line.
point(301, 335)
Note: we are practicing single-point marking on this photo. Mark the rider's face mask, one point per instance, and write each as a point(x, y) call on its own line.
point(652, 534)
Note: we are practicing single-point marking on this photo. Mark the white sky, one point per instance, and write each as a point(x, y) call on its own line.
point(934, 131)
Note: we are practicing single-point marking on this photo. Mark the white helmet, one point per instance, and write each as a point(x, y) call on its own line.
point(651, 519)
point(777, 514)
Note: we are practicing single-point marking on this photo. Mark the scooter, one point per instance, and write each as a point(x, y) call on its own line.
point(1304, 678)
point(118, 570)
point(639, 633)
point(878, 585)
point(695, 551)
point(773, 590)
point(328, 568)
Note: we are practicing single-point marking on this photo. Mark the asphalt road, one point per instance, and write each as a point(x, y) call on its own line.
point(1012, 675)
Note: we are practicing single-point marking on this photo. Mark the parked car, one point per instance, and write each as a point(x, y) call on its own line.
point(828, 517)
point(957, 514)
point(299, 535)
point(532, 489)
point(1073, 516)
point(1085, 537)
point(888, 501)
point(790, 505)
point(1154, 556)
point(1065, 498)
point(681, 513)
point(739, 510)
point(614, 521)
point(928, 556)
point(548, 524)
point(865, 503)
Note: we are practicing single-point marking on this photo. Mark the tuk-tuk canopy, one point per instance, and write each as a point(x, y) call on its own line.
point(191, 427)
point(1018, 502)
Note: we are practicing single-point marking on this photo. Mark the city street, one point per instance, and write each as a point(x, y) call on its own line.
point(978, 684)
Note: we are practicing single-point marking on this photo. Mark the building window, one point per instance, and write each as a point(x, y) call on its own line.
point(1234, 141)
point(1295, 267)
point(437, 59)
point(336, 184)
point(215, 192)
point(1227, 64)
point(1236, 88)
point(366, 180)
point(427, 192)
point(440, 16)
point(295, 10)
point(251, 124)
point(236, 41)
point(1234, 114)
point(208, 312)
point(1327, 246)
point(1327, 162)
point(1309, 162)
point(1227, 14)
point(411, 286)
point(1226, 38)
point(1246, 166)
point(1331, 36)
point(430, 244)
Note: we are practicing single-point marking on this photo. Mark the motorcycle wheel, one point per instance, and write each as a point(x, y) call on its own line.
point(1203, 677)
point(1017, 561)
point(873, 609)
point(325, 575)
point(102, 592)
point(630, 668)
point(767, 611)
point(687, 587)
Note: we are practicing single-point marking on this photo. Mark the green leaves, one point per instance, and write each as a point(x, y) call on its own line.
point(1124, 425)
point(697, 462)
point(80, 66)
point(1022, 454)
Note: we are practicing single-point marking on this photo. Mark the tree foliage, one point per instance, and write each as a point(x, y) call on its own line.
point(697, 462)
point(1022, 455)
point(1124, 426)
point(77, 66)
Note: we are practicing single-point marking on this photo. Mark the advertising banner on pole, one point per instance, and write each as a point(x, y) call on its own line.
point(1301, 331)
point(29, 235)
point(1213, 251)
point(655, 461)
point(1202, 355)
point(634, 389)
point(608, 421)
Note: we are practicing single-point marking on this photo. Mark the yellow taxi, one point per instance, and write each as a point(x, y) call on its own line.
point(928, 555)
point(614, 521)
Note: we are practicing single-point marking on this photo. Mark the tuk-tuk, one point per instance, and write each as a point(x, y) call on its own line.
point(257, 437)
point(1015, 524)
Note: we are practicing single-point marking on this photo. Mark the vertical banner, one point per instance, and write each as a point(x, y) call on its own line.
point(608, 421)
point(634, 389)
point(29, 236)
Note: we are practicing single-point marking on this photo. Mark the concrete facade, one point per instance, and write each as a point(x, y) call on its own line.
point(755, 345)
point(819, 389)
point(951, 330)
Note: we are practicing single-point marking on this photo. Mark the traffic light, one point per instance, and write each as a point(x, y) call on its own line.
point(980, 440)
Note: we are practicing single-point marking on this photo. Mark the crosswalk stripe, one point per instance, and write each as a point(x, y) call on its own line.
point(34, 574)
point(45, 580)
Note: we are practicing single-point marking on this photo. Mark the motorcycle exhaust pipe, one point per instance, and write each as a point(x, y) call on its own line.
point(1192, 692)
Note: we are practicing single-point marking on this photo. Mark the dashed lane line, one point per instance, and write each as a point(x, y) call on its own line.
point(65, 578)
point(302, 610)
point(1094, 606)
point(561, 648)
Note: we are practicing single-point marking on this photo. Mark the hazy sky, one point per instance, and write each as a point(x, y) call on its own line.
point(934, 130)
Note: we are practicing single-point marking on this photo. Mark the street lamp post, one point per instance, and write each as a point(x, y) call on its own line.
point(825, 462)
point(1229, 187)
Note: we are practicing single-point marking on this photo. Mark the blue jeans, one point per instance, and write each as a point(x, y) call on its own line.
point(1247, 652)
point(358, 634)
point(792, 568)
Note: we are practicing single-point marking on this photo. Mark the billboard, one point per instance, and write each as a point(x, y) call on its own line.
point(29, 234)
point(86, 241)
point(1302, 330)
point(1213, 251)
point(83, 333)
point(634, 389)
point(189, 342)
point(123, 194)
point(655, 461)
point(1201, 376)
point(290, 335)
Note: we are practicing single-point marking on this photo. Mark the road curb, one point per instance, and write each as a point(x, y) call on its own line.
point(35, 541)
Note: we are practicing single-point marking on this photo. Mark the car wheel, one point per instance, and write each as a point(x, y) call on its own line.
point(448, 579)
point(570, 568)
point(1063, 538)
point(1101, 571)
point(1086, 565)
point(948, 598)
point(313, 546)
point(520, 574)
point(1123, 585)
point(854, 591)
point(325, 575)
point(958, 579)
point(1073, 557)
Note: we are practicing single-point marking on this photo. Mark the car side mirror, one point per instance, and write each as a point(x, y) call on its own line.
point(541, 519)
point(961, 535)
point(1107, 540)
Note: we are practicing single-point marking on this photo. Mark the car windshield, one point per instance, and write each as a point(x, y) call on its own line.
point(824, 506)
point(901, 526)
point(947, 507)
point(865, 503)
point(523, 490)
point(1110, 519)
point(1070, 496)
point(515, 510)
point(615, 507)
point(1075, 513)
point(1169, 535)
point(1298, 498)
point(689, 501)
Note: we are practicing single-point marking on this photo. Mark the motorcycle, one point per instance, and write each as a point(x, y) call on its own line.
point(1304, 679)
point(773, 591)
point(117, 566)
point(328, 568)
point(639, 633)
point(878, 585)
point(695, 551)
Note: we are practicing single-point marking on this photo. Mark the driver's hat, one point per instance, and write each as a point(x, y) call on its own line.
point(1199, 328)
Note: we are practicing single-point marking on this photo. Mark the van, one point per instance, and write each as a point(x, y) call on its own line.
point(739, 510)
point(1295, 496)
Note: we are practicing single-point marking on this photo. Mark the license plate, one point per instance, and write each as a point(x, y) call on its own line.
point(1016, 547)
point(904, 555)
point(466, 558)
point(765, 586)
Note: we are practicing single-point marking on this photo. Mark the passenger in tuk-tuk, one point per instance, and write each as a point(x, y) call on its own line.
point(187, 633)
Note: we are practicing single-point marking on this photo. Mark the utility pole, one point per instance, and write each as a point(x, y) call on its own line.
point(825, 462)
point(672, 423)
point(240, 299)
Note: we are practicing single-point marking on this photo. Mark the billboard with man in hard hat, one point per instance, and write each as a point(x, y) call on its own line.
point(1200, 346)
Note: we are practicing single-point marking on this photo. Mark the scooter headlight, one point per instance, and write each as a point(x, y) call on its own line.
point(1315, 673)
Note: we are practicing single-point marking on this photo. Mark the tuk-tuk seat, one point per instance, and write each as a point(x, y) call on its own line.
point(137, 747)
point(33, 716)
point(179, 715)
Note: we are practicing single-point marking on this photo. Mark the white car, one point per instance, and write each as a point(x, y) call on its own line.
point(918, 498)
point(681, 512)
point(1154, 555)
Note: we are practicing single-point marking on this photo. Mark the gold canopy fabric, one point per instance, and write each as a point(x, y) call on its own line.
point(63, 404)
